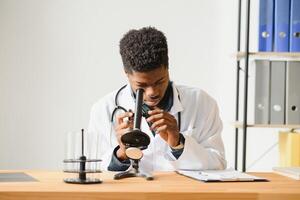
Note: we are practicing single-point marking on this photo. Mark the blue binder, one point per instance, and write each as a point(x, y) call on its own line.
point(266, 18)
point(295, 26)
point(281, 25)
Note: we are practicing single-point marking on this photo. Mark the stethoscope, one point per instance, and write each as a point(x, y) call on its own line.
point(118, 107)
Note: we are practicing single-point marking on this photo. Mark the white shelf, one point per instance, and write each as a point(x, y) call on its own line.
point(272, 56)
point(289, 126)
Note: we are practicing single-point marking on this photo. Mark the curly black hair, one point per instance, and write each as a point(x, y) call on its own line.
point(144, 50)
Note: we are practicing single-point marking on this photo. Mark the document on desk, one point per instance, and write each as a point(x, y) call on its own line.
point(220, 176)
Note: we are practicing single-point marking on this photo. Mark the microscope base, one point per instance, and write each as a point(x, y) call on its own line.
point(132, 172)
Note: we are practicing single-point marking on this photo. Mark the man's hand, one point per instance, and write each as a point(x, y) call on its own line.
point(124, 123)
point(165, 125)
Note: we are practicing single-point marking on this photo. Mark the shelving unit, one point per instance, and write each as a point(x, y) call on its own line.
point(288, 126)
point(274, 56)
point(242, 124)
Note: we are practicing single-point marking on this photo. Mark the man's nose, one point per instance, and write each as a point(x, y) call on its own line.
point(151, 92)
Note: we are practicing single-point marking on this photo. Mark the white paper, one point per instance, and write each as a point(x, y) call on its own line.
point(219, 175)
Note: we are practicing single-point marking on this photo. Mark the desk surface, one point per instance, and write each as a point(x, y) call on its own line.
point(166, 185)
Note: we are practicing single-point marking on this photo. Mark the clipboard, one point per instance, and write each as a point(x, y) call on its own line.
point(227, 175)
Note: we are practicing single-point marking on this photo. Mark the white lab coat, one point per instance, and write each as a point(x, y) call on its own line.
point(200, 125)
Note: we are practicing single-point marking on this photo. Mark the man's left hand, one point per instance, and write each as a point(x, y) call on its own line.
point(164, 124)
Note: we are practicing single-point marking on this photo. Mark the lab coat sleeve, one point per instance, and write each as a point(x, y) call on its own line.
point(117, 165)
point(203, 148)
point(177, 152)
point(104, 134)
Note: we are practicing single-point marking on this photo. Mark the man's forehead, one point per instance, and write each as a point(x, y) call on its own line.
point(146, 81)
point(145, 78)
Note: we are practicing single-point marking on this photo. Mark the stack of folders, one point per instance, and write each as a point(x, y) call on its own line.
point(292, 172)
point(228, 175)
point(277, 92)
point(279, 25)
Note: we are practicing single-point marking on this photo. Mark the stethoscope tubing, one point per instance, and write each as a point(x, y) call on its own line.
point(118, 107)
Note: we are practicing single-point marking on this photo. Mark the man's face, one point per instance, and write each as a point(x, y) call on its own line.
point(154, 83)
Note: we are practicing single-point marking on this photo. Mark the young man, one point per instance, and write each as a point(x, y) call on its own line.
point(183, 125)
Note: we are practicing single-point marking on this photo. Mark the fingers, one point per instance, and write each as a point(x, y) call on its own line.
point(162, 128)
point(162, 121)
point(120, 118)
point(124, 122)
point(163, 125)
point(120, 131)
point(155, 117)
point(156, 111)
point(125, 125)
point(158, 123)
point(160, 114)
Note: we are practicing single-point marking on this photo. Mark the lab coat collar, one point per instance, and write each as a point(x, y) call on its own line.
point(177, 105)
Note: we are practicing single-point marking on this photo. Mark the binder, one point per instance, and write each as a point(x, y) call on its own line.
point(295, 26)
point(266, 15)
point(262, 92)
point(277, 96)
point(293, 93)
point(281, 25)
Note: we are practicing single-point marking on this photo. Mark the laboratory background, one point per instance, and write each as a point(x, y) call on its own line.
point(58, 57)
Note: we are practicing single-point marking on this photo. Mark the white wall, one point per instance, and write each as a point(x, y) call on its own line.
point(58, 57)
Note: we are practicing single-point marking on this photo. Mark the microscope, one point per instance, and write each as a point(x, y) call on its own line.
point(135, 141)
